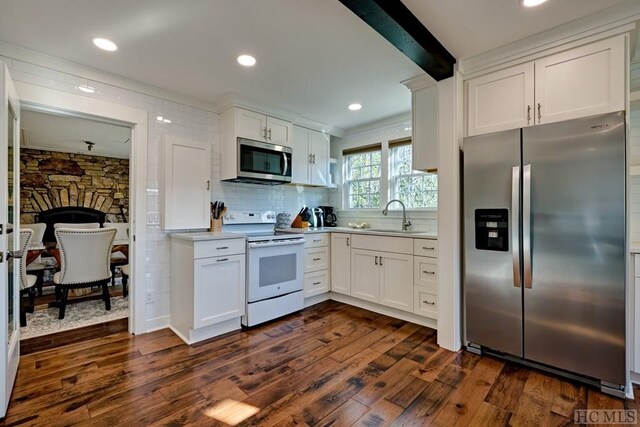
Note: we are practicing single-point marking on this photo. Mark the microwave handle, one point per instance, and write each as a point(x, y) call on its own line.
point(286, 164)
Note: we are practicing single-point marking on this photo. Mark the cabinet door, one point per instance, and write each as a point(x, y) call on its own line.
point(186, 180)
point(424, 140)
point(301, 157)
point(316, 283)
point(396, 282)
point(365, 275)
point(501, 100)
point(219, 289)
point(251, 125)
point(341, 263)
point(279, 131)
point(319, 143)
point(581, 82)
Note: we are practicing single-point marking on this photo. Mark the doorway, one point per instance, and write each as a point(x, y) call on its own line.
point(74, 173)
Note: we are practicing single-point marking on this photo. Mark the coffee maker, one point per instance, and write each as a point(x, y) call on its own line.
point(330, 219)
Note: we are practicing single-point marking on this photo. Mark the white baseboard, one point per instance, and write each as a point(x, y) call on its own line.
point(157, 323)
point(316, 299)
point(193, 336)
point(387, 311)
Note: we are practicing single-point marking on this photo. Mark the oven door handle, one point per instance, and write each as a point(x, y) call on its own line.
point(257, 245)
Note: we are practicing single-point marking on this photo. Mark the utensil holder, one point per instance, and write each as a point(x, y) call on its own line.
point(216, 225)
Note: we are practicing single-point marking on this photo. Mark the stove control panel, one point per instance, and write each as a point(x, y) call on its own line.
point(249, 217)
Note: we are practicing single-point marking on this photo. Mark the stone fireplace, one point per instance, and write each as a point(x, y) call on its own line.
point(50, 179)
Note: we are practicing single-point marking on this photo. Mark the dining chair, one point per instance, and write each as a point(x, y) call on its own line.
point(82, 226)
point(118, 259)
point(27, 281)
point(84, 262)
point(125, 279)
point(37, 267)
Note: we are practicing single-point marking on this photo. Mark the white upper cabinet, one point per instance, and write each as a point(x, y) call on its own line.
point(581, 82)
point(578, 82)
point(186, 184)
point(501, 100)
point(251, 125)
point(424, 122)
point(310, 157)
point(261, 127)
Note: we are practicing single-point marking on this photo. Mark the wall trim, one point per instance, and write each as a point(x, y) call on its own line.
point(11, 52)
point(158, 323)
point(610, 22)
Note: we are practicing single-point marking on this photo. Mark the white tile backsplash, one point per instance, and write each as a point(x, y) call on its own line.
point(187, 122)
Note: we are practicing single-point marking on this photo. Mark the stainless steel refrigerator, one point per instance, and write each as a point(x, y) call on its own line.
point(544, 250)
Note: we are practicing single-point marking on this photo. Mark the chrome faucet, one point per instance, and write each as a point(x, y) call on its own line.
point(405, 224)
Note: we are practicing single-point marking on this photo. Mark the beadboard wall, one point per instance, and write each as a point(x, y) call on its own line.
point(186, 122)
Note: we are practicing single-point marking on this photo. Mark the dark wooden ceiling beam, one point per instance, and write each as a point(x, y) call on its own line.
point(395, 22)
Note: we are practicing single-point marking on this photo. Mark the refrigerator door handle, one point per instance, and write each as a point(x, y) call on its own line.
point(526, 225)
point(515, 228)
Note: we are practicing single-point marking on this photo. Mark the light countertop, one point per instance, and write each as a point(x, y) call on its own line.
point(207, 235)
point(419, 234)
point(634, 247)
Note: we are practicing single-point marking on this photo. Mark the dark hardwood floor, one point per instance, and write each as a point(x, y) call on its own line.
point(329, 365)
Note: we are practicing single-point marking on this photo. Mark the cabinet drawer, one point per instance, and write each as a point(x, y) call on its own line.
point(399, 245)
point(316, 259)
point(425, 303)
point(425, 247)
point(425, 272)
point(316, 283)
point(216, 248)
point(316, 240)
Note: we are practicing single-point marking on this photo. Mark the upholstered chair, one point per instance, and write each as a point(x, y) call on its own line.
point(122, 238)
point(82, 226)
point(27, 281)
point(125, 279)
point(37, 267)
point(85, 256)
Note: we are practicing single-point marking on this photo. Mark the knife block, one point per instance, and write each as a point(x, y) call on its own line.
point(216, 225)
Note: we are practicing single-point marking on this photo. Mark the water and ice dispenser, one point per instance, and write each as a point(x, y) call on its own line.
point(492, 229)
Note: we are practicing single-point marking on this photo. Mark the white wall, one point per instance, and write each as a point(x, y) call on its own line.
point(186, 122)
point(381, 132)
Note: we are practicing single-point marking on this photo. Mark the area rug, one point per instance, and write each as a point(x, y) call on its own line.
point(78, 315)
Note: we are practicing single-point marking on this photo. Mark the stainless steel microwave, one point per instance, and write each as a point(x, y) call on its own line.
point(263, 163)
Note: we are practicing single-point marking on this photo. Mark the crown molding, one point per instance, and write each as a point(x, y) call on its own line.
point(419, 82)
point(606, 23)
point(232, 99)
point(402, 121)
point(12, 52)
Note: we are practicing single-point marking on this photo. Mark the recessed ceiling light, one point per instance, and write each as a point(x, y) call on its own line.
point(246, 60)
point(86, 89)
point(105, 44)
point(532, 3)
point(355, 107)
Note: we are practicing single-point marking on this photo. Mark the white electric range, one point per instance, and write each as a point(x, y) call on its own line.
point(275, 266)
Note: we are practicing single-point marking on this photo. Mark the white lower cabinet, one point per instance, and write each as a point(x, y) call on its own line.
point(317, 278)
point(426, 302)
point(341, 263)
point(207, 285)
point(382, 277)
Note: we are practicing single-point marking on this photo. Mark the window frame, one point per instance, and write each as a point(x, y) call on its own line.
point(346, 156)
point(392, 193)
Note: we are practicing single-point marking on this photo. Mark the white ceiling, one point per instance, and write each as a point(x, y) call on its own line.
point(67, 134)
point(470, 27)
point(314, 56)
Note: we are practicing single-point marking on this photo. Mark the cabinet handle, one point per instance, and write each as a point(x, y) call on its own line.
point(427, 302)
point(347, 241)
point(222, 259)
point(376, 260)
point(316, 283)
point(208, 185)
point(314, 159)
point(309, 158)
point(317, 259)
point(380, 260)
point(539, 113)
point(317, 240)
point(528, 114)
point(222, 247)
point(264, 133)
point(269, 134)
point(428, 272)
point(428, 248)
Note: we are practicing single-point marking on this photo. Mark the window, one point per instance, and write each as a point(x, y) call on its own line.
point(415, 189)
point(363, 168)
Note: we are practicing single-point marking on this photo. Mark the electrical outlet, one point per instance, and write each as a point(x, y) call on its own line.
point(153, 218)
point(149, 296)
